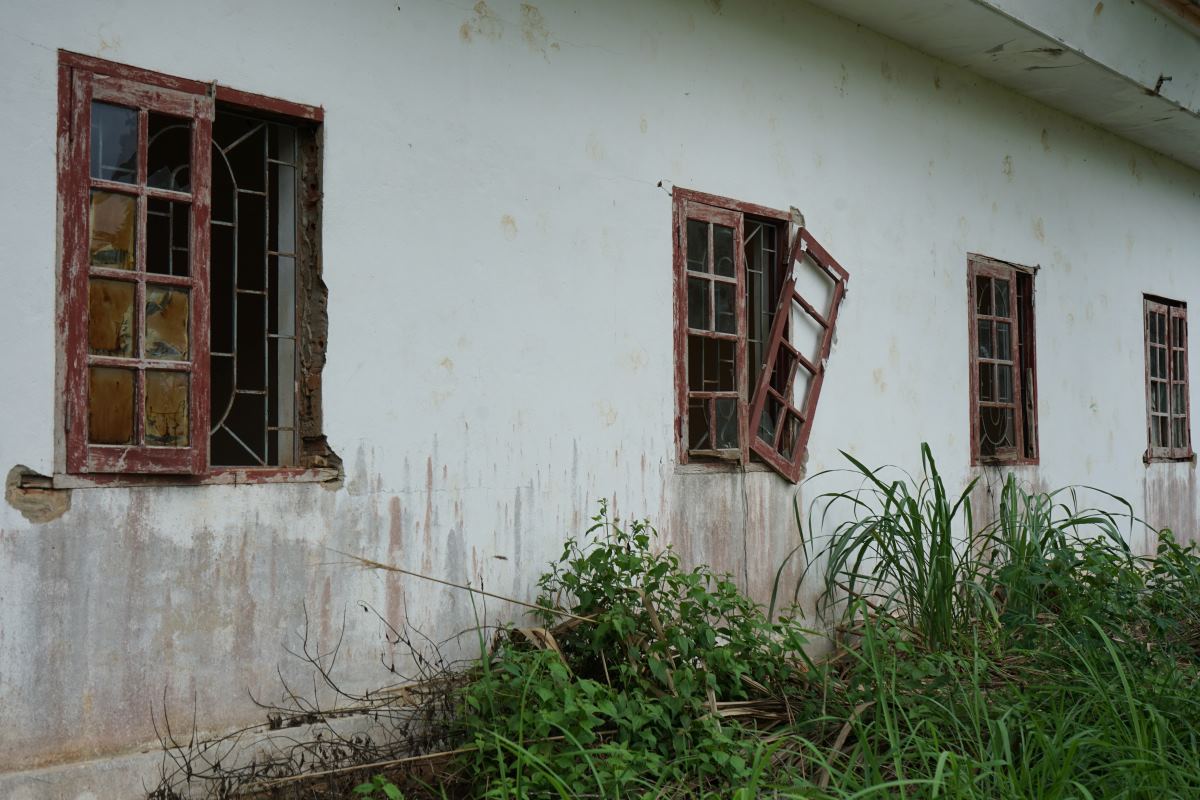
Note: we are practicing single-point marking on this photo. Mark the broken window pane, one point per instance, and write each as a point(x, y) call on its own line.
point(110, 318)
point(168, 152)
point(168, 233)
point(727, 423)
point(166, 323)
point(114, 143)
point(113, 225)
point(110, 405)
point(711, 364)
point(1178, 432)
point(166, 408)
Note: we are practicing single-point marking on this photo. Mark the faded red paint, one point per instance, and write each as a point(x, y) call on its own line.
point(791, 466)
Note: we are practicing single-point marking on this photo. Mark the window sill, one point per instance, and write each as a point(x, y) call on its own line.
point(1007, 462)
point(1148, 459)
point(717, 467)
point(223, 476)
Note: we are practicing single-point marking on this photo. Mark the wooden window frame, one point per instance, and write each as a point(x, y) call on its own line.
point(79, 463)
point(1172, 311)
point(691, 204)
point(1024, 360)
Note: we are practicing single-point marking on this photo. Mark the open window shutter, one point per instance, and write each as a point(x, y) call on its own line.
point(136, 216)
point(785, 400)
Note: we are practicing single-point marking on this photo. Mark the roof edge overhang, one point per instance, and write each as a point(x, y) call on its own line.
point(1132, 68)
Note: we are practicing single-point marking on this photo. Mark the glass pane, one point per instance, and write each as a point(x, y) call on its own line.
point(110, 405)
point(987, 382)
point(282, 209)
point(1155, 363)
point(1178, 432)
point(727, 423)
point(697, 245)
point(1178, 402)
point(1162, 361)
point(1003, 341)
point(1177, 365)
point(790, 437)
point(110, 318)
point(711, 365)
point(983, 295)
point(1158, 397)
point(166, 408)
point(1001, 298)
point(113, 226)
point(1158, 431)
point(985, 338)
point(698, 438)
point(726, 307)
point(166, 323)
point(168, 233)
point(283, 289)
point(114, 143)
point(168, 152)
point(1004, 389)
point(996, 430)
point(769, 419)
point(723, 251)
point(1176, 331)
point(698, 304)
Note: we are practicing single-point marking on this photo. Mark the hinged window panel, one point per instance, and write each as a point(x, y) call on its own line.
point(1167, 416)
point(715, 338)
point(785, 399)
point(135, 301)
point(1003, 372)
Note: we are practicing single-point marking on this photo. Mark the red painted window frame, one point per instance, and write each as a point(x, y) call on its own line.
point(791, 465)
point(81, 76)
point(1171, 310)
point(689, 203)
point(1024, 352)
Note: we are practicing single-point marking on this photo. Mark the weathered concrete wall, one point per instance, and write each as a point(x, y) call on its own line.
point(498, 257)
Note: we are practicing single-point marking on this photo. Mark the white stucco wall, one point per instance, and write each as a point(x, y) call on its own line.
point(498, 257)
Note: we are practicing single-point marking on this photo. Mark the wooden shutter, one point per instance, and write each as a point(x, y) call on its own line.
point(784, 404)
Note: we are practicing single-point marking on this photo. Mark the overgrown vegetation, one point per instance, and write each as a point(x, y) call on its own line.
point(1031, 656)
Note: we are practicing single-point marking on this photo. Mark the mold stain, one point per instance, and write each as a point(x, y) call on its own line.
point(1007, 167)
point(1039, 229)
point(534, 32)
point(508, 227)
point(482, 23)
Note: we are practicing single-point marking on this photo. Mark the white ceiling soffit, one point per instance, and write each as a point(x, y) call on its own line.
point(1122, 64)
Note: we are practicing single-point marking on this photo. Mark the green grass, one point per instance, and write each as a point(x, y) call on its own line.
point(1031, 657)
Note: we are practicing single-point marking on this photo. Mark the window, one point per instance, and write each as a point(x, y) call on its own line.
point(755, 316)
point(1003, 362)
point(1169, 434)
point(189, 265)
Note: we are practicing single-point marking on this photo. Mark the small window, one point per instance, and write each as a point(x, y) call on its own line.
point(1003, 363)
point(1169, 435)
point(190, 219)
point(755, 315)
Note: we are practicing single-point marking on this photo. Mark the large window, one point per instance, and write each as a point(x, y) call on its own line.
point(755, 315)
point(1003, 362)
point(189, 258)
point(1168, 432)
